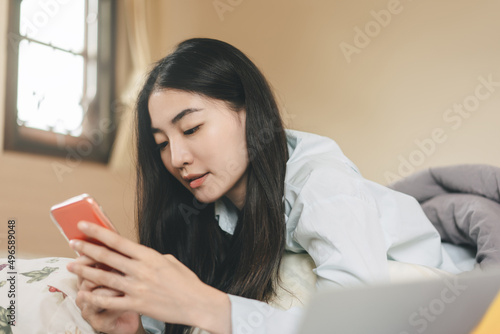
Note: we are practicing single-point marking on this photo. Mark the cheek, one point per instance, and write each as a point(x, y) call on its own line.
point(236, 156)
point(236, 168)
point(213, 148)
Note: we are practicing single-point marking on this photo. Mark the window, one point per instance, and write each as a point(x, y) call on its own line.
point(59, 97)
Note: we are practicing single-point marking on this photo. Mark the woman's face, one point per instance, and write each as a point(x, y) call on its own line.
point(202, 143)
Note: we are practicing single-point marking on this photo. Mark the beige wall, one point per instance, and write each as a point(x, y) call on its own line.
point(395, 91)
point(391, 99)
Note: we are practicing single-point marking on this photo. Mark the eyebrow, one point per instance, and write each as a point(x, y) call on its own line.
point(178, 117)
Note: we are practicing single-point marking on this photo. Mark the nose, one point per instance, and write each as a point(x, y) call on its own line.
point(180, 154)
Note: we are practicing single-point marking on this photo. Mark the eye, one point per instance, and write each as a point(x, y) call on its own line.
point(161, 146)
point(191, 131)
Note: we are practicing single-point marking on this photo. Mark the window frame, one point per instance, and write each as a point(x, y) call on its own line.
point(100, 120)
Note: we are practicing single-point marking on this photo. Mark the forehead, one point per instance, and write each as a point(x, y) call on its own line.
point(164, 105)
point(173, 101)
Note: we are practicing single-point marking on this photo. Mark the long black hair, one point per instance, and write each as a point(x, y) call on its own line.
point(172, 221)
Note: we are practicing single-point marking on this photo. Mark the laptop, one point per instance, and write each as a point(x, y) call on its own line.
point(442, 306)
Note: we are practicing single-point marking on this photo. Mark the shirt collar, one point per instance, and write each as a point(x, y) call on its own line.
point(227, 215)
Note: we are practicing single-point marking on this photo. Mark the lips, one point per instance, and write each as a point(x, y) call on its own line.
point(195, 180)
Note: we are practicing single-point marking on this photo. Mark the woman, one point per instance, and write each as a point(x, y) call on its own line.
point(223, 191)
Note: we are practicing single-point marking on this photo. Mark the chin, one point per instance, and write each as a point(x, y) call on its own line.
point(206, 198)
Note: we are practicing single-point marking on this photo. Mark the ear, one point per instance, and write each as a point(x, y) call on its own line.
point(242, 116)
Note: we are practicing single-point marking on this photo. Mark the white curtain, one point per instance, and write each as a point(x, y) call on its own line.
point(133, 58)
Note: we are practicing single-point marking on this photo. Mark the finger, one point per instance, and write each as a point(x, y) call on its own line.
point(79, 279)
point(104, 291)
point(88, 285)
point(91, 309)
point(99, 289)
point(100, 277)
point(105, 320)
point(88, 309)
point(101, 321)
point(102, 302)
point(112, 239)
point(102, 255)
point(84, 260)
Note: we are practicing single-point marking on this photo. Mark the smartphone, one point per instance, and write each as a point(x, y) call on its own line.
point(67, 214)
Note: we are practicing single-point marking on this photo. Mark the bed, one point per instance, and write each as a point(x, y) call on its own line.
point(40, 297)
point(45, 292)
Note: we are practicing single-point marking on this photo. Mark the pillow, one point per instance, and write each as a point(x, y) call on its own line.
point(299, 281)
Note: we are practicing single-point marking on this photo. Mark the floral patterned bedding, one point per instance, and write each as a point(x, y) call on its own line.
point(44, 298)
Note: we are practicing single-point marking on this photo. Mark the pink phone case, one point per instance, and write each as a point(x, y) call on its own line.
point(67, 214)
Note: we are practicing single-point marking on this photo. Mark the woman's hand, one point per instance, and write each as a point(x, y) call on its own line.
point(107, 321)
point(150, 283)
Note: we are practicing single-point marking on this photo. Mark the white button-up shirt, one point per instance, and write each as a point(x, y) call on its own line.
point(349, 226)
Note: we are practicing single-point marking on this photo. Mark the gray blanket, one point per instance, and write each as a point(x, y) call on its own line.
point(463, 203)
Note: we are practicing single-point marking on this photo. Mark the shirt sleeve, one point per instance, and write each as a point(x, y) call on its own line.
point(351, 227)
point(247, 316)
point(152, 326)
point(252, 316)
point(343, 236)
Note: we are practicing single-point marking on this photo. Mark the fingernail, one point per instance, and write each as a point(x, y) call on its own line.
point(74, 243)
point(83, 225)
